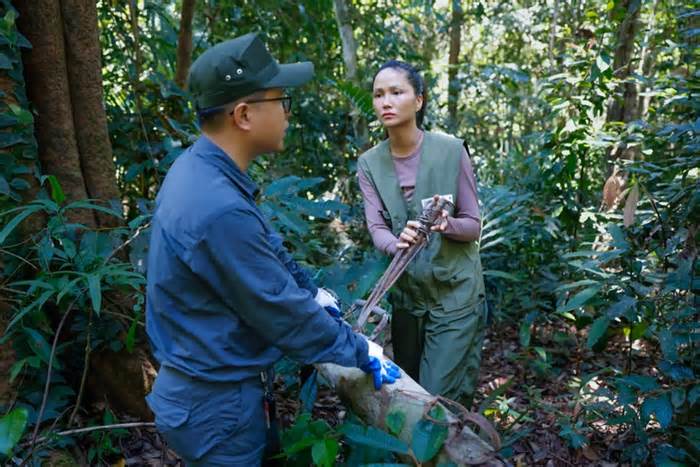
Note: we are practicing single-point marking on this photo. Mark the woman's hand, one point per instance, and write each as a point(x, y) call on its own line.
point(440, 224)
point(410, 232)
point(409, 235)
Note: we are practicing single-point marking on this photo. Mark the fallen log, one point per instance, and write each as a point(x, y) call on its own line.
point(461, 447)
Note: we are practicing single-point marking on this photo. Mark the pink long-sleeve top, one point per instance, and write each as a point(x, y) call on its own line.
point(465, 226)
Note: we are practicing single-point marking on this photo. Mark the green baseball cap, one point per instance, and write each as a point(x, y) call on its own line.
point(239, 67)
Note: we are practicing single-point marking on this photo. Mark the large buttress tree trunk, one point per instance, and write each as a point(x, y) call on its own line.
point(64, 85)
point(46, 76)
point(90, 121)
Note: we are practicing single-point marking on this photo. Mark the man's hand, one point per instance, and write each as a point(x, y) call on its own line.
point(383, 370)
point(327, 300)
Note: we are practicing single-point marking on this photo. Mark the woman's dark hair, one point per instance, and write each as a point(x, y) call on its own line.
point(416, 81)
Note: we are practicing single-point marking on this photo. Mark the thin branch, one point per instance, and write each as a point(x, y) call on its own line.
point(93, 428)
point(18, 257)
point(48, 375)
point(86, 366)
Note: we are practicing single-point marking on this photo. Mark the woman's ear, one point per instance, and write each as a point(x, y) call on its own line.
point(419, 103)
point(241, 116)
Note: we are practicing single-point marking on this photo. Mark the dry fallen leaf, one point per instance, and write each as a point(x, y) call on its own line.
point(611, 191)
point(590, 453)
point(631, 205)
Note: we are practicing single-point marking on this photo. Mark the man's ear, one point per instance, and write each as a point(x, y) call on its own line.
point(241, 116)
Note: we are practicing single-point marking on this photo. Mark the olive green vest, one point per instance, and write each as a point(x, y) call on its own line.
point(445, 272)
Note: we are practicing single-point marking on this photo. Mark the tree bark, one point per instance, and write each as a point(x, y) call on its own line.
point(184, 43)
point(624, 106)
point(46, 78)
point(462, 446)
point(646, 59)
point(86, 92)
point(453, 85)
point(349, 46)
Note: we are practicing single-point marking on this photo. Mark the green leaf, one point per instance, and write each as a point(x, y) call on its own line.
point(601, 63)
point(621, 306)
point(131, 335)
point(360, 98)
point(38, 344)
point(94, 207)
point(56, 191)
point(502, 275)
point(525, 325)
point(638, 330)
point(579, 299)
point(16, 368)
point(324, 452)
point(94, 288)
point(668, 345)
point(575, 285)
point(694, 395)
point(69, 247)
point(660, 407)
point(309, 392)
point(10, 139)
point(36, 304)
point(597, 330)
point(428, 438)
point(373, 437)
point(495, 394)
point(395, 420)
point(23, 116)
point(4, 186)
point(678, 397)
point(10, 226)
point(12, 427)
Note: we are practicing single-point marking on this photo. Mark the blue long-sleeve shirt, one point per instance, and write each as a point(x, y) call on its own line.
point(225, 299)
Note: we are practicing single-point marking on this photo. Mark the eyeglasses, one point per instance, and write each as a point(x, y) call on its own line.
point(286, 102)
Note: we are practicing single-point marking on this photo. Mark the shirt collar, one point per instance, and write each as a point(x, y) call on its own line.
point(213, 154)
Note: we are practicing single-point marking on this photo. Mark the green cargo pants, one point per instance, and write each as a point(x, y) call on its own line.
point(441, 350)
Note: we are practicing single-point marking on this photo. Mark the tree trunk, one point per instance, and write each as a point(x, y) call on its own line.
point(46, 77)
point(646, 59)
point(453, 85)
point(349, 45)
point(90, 120)
point(184, 43)
point(63, 76)
point(462, 446)
point(624, 106)
point(553, 33)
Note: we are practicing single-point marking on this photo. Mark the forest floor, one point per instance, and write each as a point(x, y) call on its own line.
point(537, 397)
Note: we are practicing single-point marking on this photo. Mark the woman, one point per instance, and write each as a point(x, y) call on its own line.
point(438, 304)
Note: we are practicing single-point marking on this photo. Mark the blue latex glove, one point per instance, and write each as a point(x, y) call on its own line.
point(382, 370)
point(327, 300)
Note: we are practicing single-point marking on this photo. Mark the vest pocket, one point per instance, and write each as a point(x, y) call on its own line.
point(457, 289)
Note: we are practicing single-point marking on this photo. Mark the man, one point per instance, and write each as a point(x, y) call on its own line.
point(225, 300)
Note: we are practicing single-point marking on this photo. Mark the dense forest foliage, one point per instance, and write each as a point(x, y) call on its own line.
point(583, 123)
